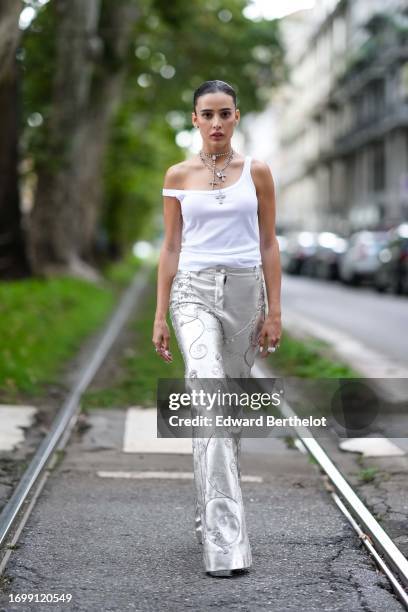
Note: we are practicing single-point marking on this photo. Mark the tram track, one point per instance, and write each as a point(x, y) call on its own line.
point(18, 508)
point(376, 540)
point(15, 514)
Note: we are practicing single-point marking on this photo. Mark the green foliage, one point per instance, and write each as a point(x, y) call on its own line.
point(141, 368)
point(306, 359)
point(212, 40)
point(175, 46)
point(134, 168)
point(368, 474)
point(121, 273)
point(199, 40)
point(42, 323)
point(36, 55)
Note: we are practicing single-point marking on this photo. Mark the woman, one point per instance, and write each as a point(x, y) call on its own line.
point(219, 250)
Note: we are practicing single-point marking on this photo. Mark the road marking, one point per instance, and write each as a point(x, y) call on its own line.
point(13, 419)
point(140, 435)
point(143, 475)
point(372, 447)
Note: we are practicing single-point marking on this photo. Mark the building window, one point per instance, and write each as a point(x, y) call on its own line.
point(378, 167)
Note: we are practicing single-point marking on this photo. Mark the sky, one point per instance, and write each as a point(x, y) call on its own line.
point(275, 9)
point(268, 9)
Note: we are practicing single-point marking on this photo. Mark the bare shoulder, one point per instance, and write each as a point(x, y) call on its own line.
point(260, 169)
point(261, 174)
point(175, 175)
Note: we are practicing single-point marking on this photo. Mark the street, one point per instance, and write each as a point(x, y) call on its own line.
point(377, 321)
point(118, 540)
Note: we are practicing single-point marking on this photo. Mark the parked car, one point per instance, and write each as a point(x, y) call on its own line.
point(299, 248)
point(325, 260)
point(392, 272)
point(360, 260)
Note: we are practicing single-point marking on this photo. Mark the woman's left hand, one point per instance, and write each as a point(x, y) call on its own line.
point(270, 335)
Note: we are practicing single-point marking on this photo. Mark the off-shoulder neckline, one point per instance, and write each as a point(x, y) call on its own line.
point(247, 158)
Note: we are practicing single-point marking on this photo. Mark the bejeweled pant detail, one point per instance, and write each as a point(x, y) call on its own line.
point(217, 314)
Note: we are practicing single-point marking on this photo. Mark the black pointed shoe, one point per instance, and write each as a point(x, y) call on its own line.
point(241, 570)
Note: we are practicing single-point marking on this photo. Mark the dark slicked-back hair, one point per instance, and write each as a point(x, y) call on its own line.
point(213, 87)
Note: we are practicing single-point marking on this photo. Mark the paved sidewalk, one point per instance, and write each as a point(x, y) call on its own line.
point(121, 544)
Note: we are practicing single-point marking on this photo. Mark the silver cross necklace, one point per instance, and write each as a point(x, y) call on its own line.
point(219, 173)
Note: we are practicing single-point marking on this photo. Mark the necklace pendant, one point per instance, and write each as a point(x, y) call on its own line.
point(213, 157)
point(221, 175)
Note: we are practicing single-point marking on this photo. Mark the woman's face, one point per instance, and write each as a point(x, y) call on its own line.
point(215, 112)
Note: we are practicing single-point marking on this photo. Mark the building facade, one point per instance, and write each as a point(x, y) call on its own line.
point(341, 151)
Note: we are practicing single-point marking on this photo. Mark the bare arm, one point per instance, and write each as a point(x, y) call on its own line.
point(269, 248)
point(168, 263)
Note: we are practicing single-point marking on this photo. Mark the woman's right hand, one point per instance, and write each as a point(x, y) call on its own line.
point(161, 339)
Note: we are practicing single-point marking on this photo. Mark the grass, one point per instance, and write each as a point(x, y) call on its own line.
point(308, 359)
point(120, 274)
point(142, 369)
point(368, 474)
point(43, 323)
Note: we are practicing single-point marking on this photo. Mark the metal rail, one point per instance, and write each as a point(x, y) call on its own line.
point(70, 410)
point(381, 539)
point(68, 415)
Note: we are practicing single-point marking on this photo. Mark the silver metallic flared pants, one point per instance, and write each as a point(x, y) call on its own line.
point(217, 314)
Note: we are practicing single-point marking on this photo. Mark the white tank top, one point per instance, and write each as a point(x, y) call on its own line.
point(220, 232)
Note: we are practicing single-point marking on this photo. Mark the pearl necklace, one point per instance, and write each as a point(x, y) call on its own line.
point(220, 173)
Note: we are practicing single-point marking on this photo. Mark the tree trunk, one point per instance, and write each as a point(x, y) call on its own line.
point(9, 34)
point(13, 261)
point(54, 221)
point(69, 193)
point(117, 22)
